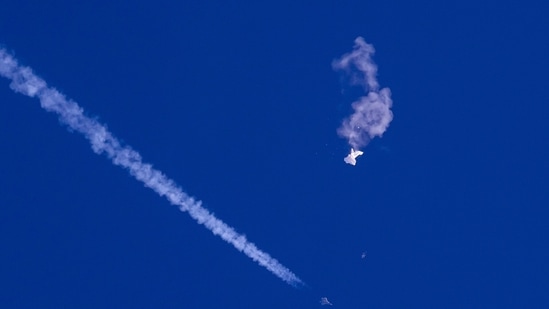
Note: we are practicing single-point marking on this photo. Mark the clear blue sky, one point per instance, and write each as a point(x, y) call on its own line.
point(239, 104)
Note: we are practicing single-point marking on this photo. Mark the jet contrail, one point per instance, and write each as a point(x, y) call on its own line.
point(373, 111)
point(24, 81)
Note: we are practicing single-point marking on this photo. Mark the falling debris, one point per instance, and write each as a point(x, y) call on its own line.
point(325, 301)
point(372, 111)
point(363, 255)
point(351, 158)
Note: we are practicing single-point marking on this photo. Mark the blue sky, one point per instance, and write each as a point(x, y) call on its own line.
point(239, 104)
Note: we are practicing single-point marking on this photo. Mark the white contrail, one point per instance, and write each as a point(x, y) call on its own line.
point(24, 81)
point(373, 111)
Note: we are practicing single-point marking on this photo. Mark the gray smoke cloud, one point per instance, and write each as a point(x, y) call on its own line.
point(24, 81)
point(372, 112)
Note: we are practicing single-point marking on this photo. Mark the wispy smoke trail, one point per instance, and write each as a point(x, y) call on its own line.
point(24, 81)
point(373, 111)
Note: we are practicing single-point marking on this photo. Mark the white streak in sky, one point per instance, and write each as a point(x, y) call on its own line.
point(24, 81)
point(372, 112)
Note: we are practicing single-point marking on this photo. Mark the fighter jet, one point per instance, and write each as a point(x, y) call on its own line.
point(351, 158)
point(325, 301)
